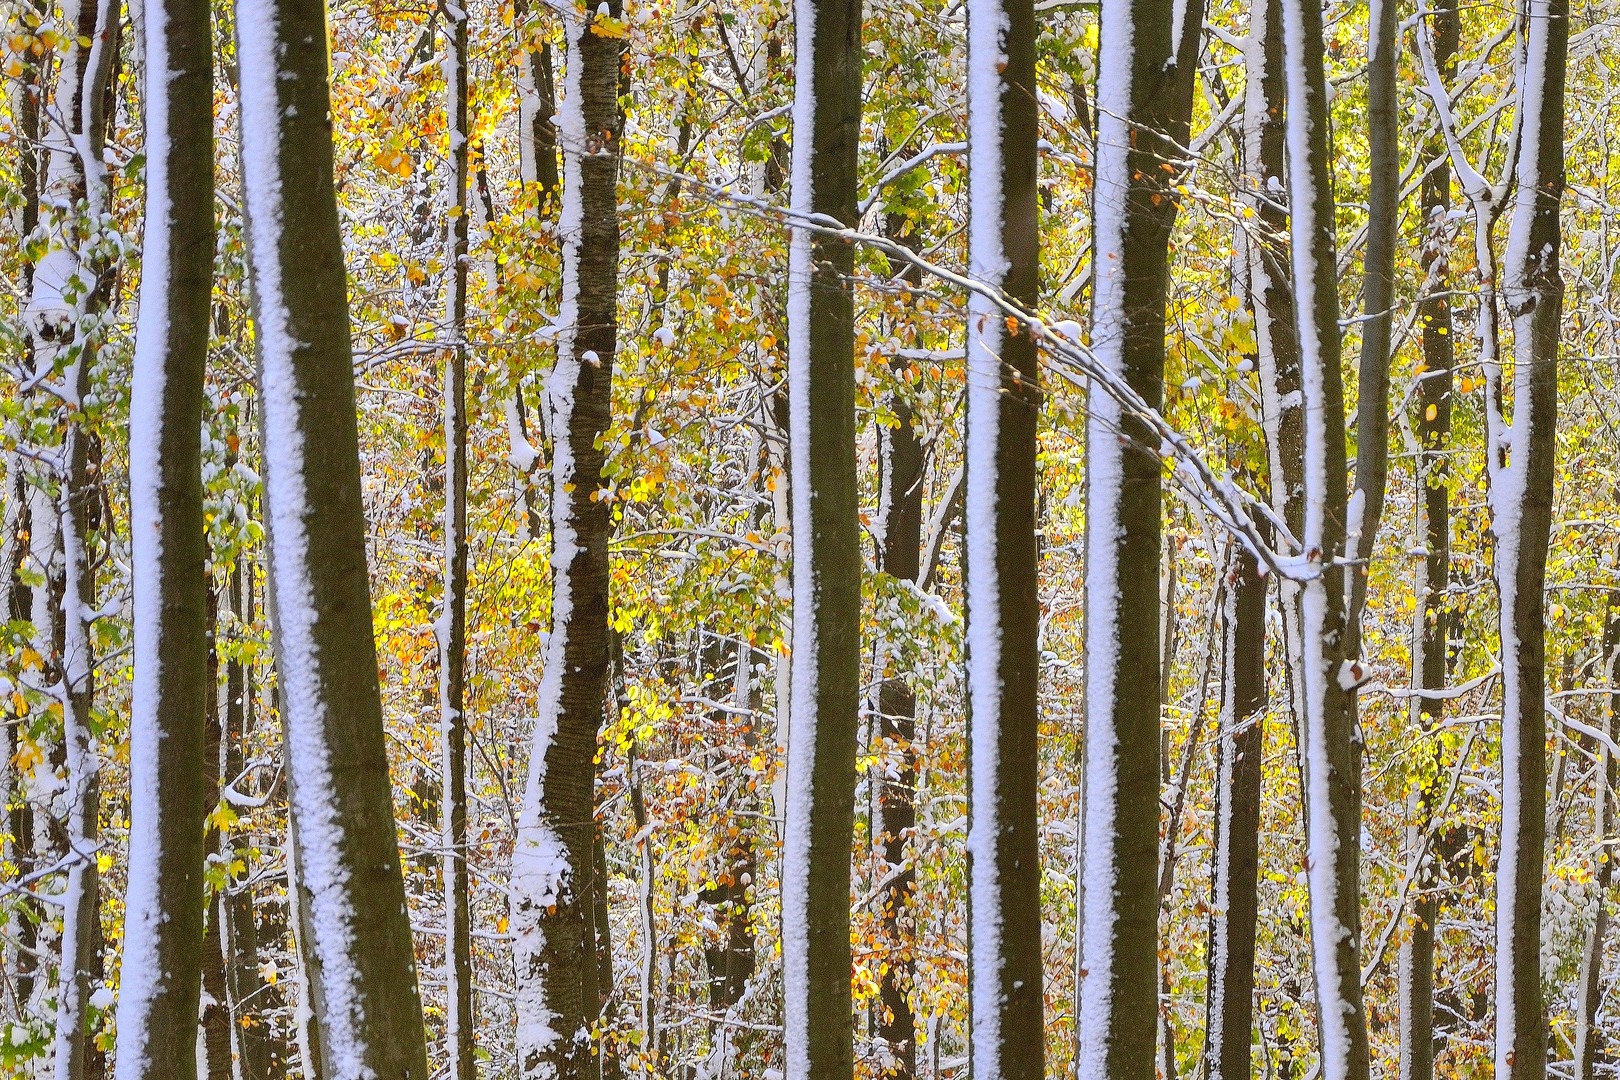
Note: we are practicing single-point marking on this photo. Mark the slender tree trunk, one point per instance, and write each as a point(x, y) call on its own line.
point(16, 955)
point(899, 555)
point(1519, 462)
point(67, 287)
point(163, 902)
point(1145, 82)
point(215, 1019)
point(537, 135)
point(1589, 991)
point(355, 935)
point(1333, 804)
point(1235, 864)
point(244, 984)
point(1234, 872)
point(1006, 1000)
point(647, 968)
point(553, 871)
point(452, 629)
point(1432, 622)
point(1378, 299)
point(826, 669)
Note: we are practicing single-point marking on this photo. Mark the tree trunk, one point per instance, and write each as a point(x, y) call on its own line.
point(1589, 992)
point(1000, 561)
point(355, 935)
point(67, 287)
point(1432, 622)
point(1519, 462)
point(826, 672)
point(452, 628)
point(163, 902)
point(255, 1047)
point(553, 870)
point(899, 555)
point(537, 135)
point(1332, 781)
point(1144, 103)
point(1378, 300)
point(215, 1019)
point(1234, 872)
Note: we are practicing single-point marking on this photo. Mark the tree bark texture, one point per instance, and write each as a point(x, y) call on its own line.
point(826, 671)
point(554, 868)
point(1006, 1000)
point(163, 904)
point(1144, 97)
point(355, 937)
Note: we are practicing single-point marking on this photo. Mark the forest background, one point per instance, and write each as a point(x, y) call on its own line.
point(690, 762)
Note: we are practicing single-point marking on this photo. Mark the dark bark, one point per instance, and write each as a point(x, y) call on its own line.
point(1378, 299)
point(558, 965)
point(1589, 1041)
point(731, 961)
point(79, 102)
point(1332, 761)
point(1235, 869)
point(256, 1046)
point(1003, 611)
point(168, 760)
point(1271, 298)
point(899, 555)
point(1430, 635)
point(542, 134)
point(827, 606)
point(215, 1019)
point(1533, 293)
point(1144, 117)
point(459, 1030)
point(368, 1010)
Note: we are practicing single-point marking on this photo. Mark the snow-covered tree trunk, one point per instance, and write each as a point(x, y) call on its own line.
point(1263, 255)
point(1589, 991)
point(163, 901)
point(63, 319)
point(452, 625)
point(826, 672)
point(1235, 862)
point(554, 867)
point(1519, 462)
point(1006, 1003)
point(1146, 74)
point(355, 936)
point(1431, 622)
point(1332, 768)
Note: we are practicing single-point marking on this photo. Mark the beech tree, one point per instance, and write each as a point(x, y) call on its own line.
point(1519, 461)
point(355, 934)
point(1146, 75)
point(826, 546)
point(1332, 776)
point(163, 903)
point(1000, 596)
point(1432, 617)
point(554, 865)
point(62, 317)
point(1263, 251)
point(452, 628)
